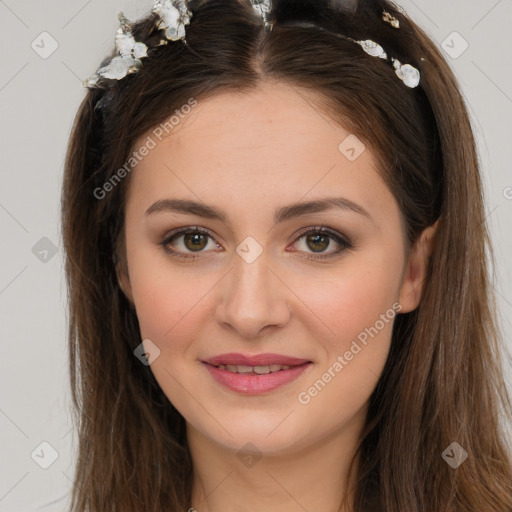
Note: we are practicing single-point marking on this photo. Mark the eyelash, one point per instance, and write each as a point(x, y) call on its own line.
point(342, 241)
point(338, 238)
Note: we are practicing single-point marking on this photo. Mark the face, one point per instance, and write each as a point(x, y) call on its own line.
point(264, 275)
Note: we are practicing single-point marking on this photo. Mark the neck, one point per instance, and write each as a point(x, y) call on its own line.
point(311, 477)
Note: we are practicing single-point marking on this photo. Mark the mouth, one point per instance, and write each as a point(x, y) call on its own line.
point(255, 360)
point(254, 370)
point(255, 374)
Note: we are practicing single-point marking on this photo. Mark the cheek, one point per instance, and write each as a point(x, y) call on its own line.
point(172, 301)
point(354, 298)
point(359, 311)
point(167, 303)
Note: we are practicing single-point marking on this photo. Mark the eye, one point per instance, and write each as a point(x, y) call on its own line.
point(194, 239)
point(317, 239)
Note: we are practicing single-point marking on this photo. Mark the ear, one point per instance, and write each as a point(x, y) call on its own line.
point(124, 282)
point(416, 270)
point(123, 279)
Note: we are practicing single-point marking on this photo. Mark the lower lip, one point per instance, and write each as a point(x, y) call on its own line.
point(255, 384)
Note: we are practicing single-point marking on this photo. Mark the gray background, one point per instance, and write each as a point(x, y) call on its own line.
point(39, 95)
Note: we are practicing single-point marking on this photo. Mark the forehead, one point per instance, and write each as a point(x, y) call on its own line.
point(270, 144)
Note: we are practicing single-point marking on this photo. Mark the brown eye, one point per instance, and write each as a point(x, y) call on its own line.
point(317, 242)
point(318, 239)
point(195, 241)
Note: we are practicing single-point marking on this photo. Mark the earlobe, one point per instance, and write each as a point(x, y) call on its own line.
point(416, 270)
point(124, 283)
point(121, 267)
point(124, 280)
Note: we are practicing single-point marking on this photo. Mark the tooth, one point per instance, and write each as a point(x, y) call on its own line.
point(261, 370)
point(244, 369)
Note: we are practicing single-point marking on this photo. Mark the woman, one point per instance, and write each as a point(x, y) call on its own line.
point(275, 241)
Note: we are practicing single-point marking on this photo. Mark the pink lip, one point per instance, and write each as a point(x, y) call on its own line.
point(256, 360)
point(252, 383)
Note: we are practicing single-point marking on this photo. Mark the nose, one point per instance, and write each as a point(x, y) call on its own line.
point(254, 299)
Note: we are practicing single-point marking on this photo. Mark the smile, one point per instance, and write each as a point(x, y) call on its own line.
point(253, 380)
point(253, 370)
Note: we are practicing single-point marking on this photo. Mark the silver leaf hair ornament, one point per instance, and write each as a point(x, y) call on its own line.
point(390, 19)
point(128, 60)
point(409, 75)
point(173, 16)
point(263, 8)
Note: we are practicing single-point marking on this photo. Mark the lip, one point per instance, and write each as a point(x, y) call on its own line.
point(253, 384)
point(255, 360)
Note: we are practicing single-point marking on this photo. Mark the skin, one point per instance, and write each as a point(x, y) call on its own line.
point(250, 154)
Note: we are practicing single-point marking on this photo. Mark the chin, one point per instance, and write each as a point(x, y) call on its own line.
point(272, 436)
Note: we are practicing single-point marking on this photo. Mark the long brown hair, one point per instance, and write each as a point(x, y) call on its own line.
point(443, 380)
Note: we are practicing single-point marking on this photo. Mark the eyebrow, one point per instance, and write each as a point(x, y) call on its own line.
point(282, 214)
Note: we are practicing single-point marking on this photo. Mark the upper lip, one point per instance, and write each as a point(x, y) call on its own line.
point(255, 360)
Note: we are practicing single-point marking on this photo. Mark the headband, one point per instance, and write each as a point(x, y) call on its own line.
point(173, 16)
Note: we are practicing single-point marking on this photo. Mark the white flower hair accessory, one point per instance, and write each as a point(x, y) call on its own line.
point(263, 8)
point(128, 60)
point(390, 19)
point(173, 16)
point(409, 75)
